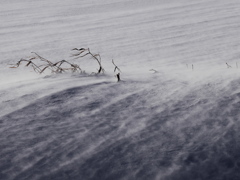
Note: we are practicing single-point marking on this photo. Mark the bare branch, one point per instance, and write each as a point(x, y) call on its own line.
point(41, 58)
point(228, 66)
point(116, 68)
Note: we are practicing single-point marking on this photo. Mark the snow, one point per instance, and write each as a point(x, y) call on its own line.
point(178, 123)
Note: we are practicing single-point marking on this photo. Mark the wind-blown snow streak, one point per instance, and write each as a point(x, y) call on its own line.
point(179, 123)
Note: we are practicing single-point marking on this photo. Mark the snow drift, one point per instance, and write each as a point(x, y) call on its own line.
point(179, 123)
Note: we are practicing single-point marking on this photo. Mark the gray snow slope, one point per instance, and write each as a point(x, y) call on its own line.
point(181, 123)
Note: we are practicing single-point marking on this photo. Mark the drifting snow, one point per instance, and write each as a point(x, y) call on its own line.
point(179, 123)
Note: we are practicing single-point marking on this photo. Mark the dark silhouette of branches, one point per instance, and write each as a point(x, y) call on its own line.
point(82, 52)
point(116, 68)
point(35, 67)
point(54, 67)
point(41, 64)
point(228, 66)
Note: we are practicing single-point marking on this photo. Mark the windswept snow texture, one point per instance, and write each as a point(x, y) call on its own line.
point(182, 123)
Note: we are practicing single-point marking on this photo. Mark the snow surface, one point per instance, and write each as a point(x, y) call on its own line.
point(177, 124)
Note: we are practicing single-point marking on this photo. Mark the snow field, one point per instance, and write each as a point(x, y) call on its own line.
point(179, 123)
